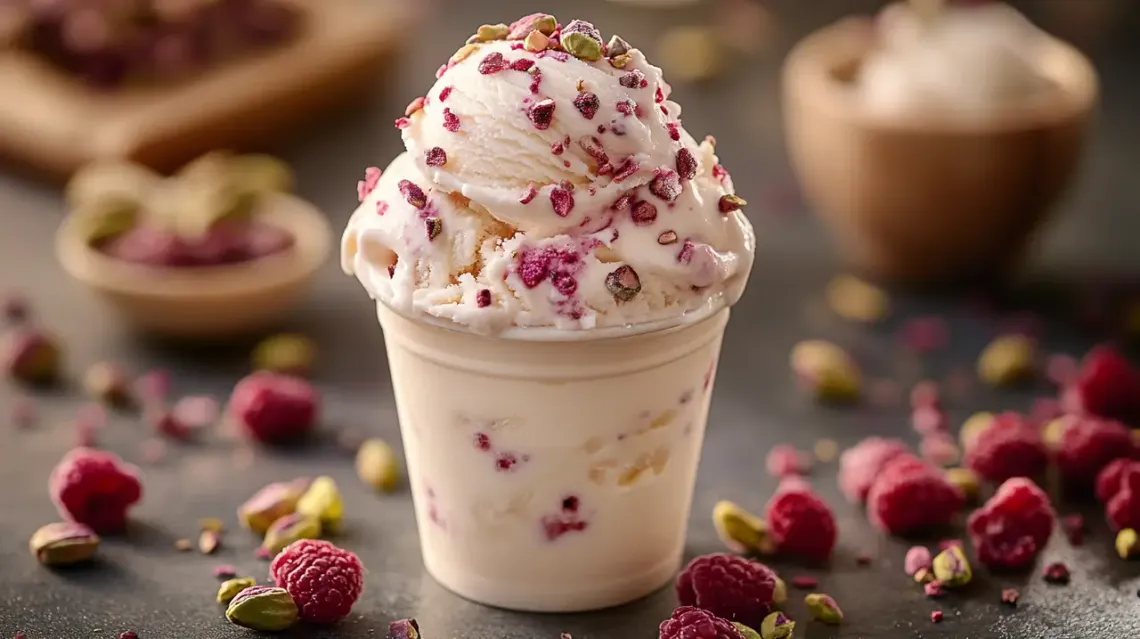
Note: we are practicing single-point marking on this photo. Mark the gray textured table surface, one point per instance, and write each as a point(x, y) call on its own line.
point(143, 585)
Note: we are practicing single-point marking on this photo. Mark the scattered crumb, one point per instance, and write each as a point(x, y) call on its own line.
point(1009, 596)
point(804, 582)
point(936, 616)
point(183, 545)
point(826, 450)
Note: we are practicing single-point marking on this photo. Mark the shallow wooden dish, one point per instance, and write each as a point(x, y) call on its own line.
point(212, 301)
point(930, 198)
point(53, 123)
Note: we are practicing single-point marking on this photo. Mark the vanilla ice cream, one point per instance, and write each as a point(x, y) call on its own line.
point(548, 182)
point(966, 59)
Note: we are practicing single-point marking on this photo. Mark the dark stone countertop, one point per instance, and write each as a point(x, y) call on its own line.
point(142, 584)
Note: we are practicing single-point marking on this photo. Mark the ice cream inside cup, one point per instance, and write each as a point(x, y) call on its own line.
point(548, 184)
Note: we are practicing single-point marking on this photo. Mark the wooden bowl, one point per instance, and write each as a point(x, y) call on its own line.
point(211, 301)
point(929, 198)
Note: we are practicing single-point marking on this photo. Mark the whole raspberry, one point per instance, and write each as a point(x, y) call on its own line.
point(688, 622)
point(802, 524)
point(1123, 509)
point(909, 495)
point(1013, 526)
point(728, 586)
point(95, 488)
point(1088, 444)
point(1106, 385)
point(860, 464)
point(1009, 447)
point(272, 407)
point(1111, 478)
point(323, 580)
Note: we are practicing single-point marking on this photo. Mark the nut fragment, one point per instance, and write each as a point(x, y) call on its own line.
point(581, 40)
point(541, 22)
point(209, 541)
point(63, 543)
point(490, 33)
point(231, 587)
point(745, 631)
point(826, 370)
point(271, 503)
point(779, 593)
point(952, 568)
point(377, 465)
point(108, 383)
point(264, 608)
point(972, 427)
point(740, 530)
point(966, 481)
point(1052, 433)
point(853, 299)
point(536, 42)
point(1007, 359)
point(404, 629)
point(288, 529)
point(288, 353)
point(322, 501)
point(623, 283)
point(776, 626)
point(691, 53)
point(823, 608)
point(1127, 544)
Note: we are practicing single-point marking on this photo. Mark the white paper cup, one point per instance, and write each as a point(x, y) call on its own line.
point(552, 474)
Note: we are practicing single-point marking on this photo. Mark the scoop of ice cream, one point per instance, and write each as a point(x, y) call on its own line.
point(548, 182)
point(966, 58)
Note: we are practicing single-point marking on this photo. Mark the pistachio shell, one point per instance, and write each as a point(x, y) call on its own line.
point(823, 608)
point(263, 608)
point(826, 370)
point(322, 501)
point(289, 529)
point(776, 626)
point(230, 588)
point(377, 465)
point(740, 530)
point(1007, 359)
point(63, 543)
point(952, 568)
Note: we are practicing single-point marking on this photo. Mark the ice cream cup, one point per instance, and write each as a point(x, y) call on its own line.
point(553, 471)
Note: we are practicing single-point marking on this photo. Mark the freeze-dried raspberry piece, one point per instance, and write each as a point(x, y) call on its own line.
point(95, 488)
point(1009, 447)
point(1088, 444)
point(1107, 385)
point(1111, 478)
point(1123, 509)
point(910, 495)
point(323, 579)
point(802, 524)
point(688, 622)
point(785, 459)
point(1013, 526)
point(860, 464)
point(728, 586)
point(272, 407)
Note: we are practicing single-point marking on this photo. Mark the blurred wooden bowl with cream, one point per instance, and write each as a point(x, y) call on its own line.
point(935, 139)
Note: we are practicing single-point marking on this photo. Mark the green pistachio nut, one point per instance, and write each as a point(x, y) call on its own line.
point(288, 353)
point(780, 593)
point(1007, 359)
point(263, 608)
point(777, 626)
point(740, 530)
point(583, 46)
point(1127, 544)
point(823, 608)
point(826, 371)
point(745, 631)
point(230, 588)
point(322, 501)
point(106, 218)
point(377, 465)
point(63, 544)
point(289, 529)
point(261, 174)
point(952, 568)
point(966, 481)
point(271, 503)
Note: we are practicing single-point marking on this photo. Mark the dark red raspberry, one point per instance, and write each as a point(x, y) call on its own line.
point(728, 586)
point(1088, 445)
point(1013, 526)
point(688, 622)
point(860, 464)
point(909, 495)
point(1009, 447)
point(1110, 478)
point(323, 580)
point(272, 407)
point(784, 460)
point(95, 488)
point(1107, 385)
point(1123, 509)
point(802, 524)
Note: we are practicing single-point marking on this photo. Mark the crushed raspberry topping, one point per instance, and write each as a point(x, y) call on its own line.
point(528, 195)
point(557, 148)
point(403, 123)
point(623, 203)
point(415, 105)
point(450, 120)
point(587, 104)
point(444, 92)
point(562, 200)
point(674, 130)
point(483, 300)
point(541, 113)
point(659, 96)
point(522, 64)
point(666, 185)
point(381, 207)
point(413, 194)
point(685, 255)
point(643, 213)
point(365, 186)
point(719, 172)
point(492, 63)
point(633, 80)
point(625, 106)
point(435, 156)
point(686, 164)
point(626, 170)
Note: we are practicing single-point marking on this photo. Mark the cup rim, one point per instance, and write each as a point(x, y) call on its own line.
point(812, 69)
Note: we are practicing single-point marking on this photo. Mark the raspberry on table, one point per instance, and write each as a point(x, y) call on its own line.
point(1009, 447)
point(909, 495)
point(273, 407)
point(1107, 385)
point(1089, 444)
point(323, 579)
point(688, 622)
point(95, 488)
point(802, 524)
point(860, 464)
point(1013, 526)
point(1110, 478)
point(785, 459)
point(728, 586)
point(1123, 509)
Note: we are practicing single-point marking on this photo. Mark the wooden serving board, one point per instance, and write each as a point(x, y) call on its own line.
point(52, 122)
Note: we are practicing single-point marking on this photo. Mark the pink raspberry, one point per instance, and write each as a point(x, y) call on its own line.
point(784, 460)
point(860, 464)
point(1111, 478)
point(1088, 445)
point(1107, 385)
point(1123, 509)
point(728, 586)
point(688, 622)
point(1013, 526)
point(802, 524)
point(909, 495)
point(272, 407)
point(1009, 447)
point(95, 488)
point(323, 580)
